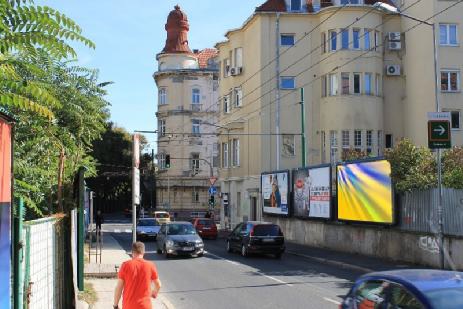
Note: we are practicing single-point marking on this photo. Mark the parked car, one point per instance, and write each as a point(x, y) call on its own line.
point(147, 228)
point(256, 237)
point(410, 288)
point(162, 216)
point(179, 238)
point(205, 227)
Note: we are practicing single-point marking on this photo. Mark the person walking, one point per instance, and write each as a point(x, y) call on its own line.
point(98, 220)
point(134, 281)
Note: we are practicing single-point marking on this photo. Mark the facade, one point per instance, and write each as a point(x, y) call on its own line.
point(368, 79)
point(187, 94)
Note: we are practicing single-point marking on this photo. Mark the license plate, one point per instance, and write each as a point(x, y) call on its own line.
point(268, 240)
point(206, 228)
point(188, 248)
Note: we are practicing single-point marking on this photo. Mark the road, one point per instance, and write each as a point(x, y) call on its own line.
point(223, 280)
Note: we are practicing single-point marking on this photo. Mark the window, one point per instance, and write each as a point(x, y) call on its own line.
point(323, 43)
point(344, 38)
point(358, 140)
point(226, 68)
point(195, 96)
point(357, 83)
point(238, 96)
point(455, 119)
point(195, 126)
point(448, 34)
point(195, 196)
point(345, 139)
point(380, 142)
point(377, 40)
point(367, 84)
point(195, 161)
point(333, 84)
point(287, 39)
point(324, 86)
point(345, 83)
point(367, 39)
point(235, 152)
point(333, 38)
point(450, 81)
point(162, 160)
point(389, 141)
point(334, 146)
point(356, 40)
point(288, 148)
point(287, 83)
point(162, 96)
point(226, 104)
point(224, 155)
point(401, 298)
point(372, 293)
point(369, 141)
point(239, 57)
point(295, 5)
point(377, 84)
point(161, 128)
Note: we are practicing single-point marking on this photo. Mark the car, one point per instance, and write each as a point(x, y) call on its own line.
point(162, 216)
point(205, 227)
point(147, 228)
point(407, 288)
point(256, 237)
point(179, 238)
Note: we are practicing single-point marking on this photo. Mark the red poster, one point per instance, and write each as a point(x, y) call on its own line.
point(5, 161)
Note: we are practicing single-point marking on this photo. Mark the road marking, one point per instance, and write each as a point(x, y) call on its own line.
point(128, 231)
point(275, 279)
point(117, 231)
point(332, 300)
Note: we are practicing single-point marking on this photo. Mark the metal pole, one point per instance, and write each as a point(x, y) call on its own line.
point(134, 206)
point(304, 163)
point(439, 155)
point(18, 257)
point(80, 231)
point(91, 215)
point(277, 75)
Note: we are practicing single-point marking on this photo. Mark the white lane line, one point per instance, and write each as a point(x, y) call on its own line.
point(117, 230)
point(259, 273)
point(128, 231)
point(332, 300)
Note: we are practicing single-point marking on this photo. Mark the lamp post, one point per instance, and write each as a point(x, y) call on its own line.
point(393, 10)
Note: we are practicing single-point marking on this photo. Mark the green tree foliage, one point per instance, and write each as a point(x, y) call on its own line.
point(452, 164)
point(413, 168)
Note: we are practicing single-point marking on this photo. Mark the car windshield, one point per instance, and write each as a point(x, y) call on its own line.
point(451, 298)
point(267, 230)
point(162, 215)
point(180, 229)
point(148, 222)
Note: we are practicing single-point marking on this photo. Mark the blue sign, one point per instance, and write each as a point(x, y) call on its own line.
point(212, 190)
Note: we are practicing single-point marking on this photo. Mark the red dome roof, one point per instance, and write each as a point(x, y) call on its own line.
point(177, 28)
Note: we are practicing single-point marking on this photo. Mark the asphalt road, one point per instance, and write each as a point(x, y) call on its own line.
point(223, 280)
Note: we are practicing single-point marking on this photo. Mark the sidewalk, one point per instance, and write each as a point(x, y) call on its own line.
point(103, 276)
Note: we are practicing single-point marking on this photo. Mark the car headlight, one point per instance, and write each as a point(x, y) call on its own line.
point(199, 243)
point(169, 243)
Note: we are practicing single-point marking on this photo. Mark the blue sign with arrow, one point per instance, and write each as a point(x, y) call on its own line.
point(212, 190)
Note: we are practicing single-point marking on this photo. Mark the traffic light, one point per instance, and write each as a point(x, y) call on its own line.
point(211, 201)
point(167, 161)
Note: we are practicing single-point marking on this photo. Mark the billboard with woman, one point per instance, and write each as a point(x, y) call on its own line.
point(275, 193)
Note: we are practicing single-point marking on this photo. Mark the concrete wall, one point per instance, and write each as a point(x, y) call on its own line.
point(388, 243)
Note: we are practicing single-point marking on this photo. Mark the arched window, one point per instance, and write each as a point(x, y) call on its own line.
point(195, 96)
point(162, 96)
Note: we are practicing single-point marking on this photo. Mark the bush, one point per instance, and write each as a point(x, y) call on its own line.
point(452, 168)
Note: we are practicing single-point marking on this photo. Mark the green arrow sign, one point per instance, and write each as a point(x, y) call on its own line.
point(439, 134)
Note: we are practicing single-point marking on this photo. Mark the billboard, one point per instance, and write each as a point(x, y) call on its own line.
point(5, 211)
point(312, 192)
point(364, 191)
point(275, 192)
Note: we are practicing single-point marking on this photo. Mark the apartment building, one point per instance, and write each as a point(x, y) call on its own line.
point(368, 80)
point(187, 95)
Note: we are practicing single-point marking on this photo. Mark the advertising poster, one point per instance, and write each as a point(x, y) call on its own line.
point(312, 192)
point(365, 192)
point(275, 192)
point(5, 212)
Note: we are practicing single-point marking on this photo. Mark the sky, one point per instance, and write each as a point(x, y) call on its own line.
point(129, 34)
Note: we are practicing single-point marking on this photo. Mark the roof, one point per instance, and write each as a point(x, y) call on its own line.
point(272, 6)
point(204, 55)
point(423, 279)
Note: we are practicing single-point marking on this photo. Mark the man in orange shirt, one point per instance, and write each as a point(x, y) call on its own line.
point(134, 283)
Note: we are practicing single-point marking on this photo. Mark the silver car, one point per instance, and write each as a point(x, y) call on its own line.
point(147, 228)
point(179, 238)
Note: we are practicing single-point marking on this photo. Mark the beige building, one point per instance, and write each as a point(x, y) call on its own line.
point(368, 78)
point(187, 98)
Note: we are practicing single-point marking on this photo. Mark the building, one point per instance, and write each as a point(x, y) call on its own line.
point(368, 79)
point(187, 99)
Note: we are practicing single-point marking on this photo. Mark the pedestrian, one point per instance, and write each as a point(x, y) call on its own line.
point(99, 220)
point(134, 281)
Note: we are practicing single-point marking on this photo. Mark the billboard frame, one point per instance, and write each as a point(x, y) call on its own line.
point(393, 202)
point(332, 208)
point(288, 194)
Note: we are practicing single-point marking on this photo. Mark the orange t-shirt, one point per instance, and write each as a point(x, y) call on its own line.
point(137, 275)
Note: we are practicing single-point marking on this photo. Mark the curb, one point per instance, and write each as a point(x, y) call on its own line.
point(332, 262)
point(166, 302)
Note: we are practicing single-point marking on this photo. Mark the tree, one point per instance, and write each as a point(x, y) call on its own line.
point(452, 167)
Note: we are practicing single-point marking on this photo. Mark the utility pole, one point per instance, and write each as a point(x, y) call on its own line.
point(304, 163)
point(18, 256)
point(80, 230)
point(277, 112)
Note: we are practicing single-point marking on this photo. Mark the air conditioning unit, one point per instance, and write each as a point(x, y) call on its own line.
point(394, 36)
point(393, 70)
point(236, 71)
point(395, 45)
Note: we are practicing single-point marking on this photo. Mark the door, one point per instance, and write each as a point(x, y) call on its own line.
point(235, 241)
point(253, 208)
point(160, 238)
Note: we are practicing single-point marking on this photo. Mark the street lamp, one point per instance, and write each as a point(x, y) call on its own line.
point(394, 10)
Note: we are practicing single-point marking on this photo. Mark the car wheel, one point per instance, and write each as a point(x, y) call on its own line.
point(200, 254)
point(229, 249)
point(167, 255)
point(159, 251)
point(244, 251)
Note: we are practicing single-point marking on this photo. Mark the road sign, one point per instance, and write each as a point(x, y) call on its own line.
point(439, 132)
point(212, 180)
point(212, 190)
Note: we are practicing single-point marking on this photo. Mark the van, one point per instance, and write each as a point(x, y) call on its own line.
point(162, 216)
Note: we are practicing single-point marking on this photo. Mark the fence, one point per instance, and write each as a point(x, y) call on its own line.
point(418, 211)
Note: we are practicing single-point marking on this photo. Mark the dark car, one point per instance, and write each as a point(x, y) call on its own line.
point(256, 237)
point(409, 288)
point(205, 227)
point(179, 238)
